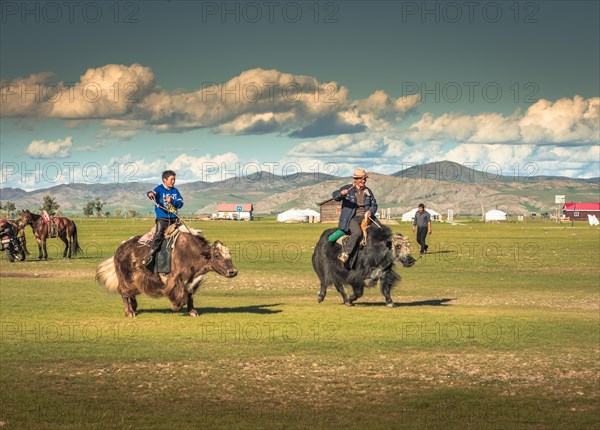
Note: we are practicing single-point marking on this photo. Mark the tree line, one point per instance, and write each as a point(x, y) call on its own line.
point(50, 205)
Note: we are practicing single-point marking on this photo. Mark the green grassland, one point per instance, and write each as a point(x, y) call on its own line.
point(497, 327)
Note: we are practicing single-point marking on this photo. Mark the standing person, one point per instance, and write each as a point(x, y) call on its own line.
point(358, 203)
point(422, 223)
point(167, 200)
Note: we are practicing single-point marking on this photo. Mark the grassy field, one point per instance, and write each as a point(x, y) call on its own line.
point(497, 327)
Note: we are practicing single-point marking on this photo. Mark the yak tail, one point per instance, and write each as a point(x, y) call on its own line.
point(75, 244)
point(106, 275)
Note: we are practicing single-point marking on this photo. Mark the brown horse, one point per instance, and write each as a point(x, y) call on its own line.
point(66, 229)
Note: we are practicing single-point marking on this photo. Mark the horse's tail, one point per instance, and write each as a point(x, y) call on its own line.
point(75, 244)
point(106, 275)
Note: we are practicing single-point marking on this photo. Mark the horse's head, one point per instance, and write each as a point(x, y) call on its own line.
point(221, 260)
point(401, 250)
point(26, 219)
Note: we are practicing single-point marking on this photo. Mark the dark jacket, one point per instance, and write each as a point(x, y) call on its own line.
point(349, 205)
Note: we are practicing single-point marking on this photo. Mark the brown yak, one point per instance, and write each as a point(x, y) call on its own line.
point(192, 257)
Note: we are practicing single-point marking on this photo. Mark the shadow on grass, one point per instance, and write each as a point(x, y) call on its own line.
point(34, 259)
point(432, 302)
point(257, 309)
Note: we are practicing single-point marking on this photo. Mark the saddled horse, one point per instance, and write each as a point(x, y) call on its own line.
point(66, 231)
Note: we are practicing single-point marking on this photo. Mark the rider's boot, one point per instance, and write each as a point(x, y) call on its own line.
point(148, 259)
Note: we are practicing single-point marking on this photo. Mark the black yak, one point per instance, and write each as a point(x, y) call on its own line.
point(192, 257)
point(374, 262)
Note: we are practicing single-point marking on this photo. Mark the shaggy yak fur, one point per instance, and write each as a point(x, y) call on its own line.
point(374, 262)
point(192, 257)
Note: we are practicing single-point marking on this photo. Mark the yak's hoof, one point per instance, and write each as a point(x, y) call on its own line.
point(348, 303)
point(131, 314)
point(193, 313)
point(390, 304)
point(320, 298)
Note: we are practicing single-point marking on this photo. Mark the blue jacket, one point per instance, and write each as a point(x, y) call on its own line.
point(161, 192)
point(349, 205)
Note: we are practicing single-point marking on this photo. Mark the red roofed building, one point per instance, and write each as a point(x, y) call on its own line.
point(580, 211)
point(235, 211)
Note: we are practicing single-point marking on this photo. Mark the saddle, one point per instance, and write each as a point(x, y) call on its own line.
point(340, 237)
point(162, 262)
point(52, 223)
point(172, 230)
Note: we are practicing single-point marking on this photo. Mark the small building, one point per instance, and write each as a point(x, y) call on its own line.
point(330, 211)
point(234, 211)
point(580, 211)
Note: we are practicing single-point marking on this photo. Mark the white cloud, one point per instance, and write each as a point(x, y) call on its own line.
point(206, 168)
point(110, 91)
point(52, 149)
point(392, 151)
point(260, 101)
point(564, 122)
point(255, 102)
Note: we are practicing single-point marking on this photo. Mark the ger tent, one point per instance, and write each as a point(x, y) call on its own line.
point(495, 215)
point(410, 215)
point(299, 215)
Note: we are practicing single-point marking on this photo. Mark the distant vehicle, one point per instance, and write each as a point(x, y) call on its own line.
point(11, 243)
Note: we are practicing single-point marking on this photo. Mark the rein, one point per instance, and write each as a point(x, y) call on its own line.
point(173, 211)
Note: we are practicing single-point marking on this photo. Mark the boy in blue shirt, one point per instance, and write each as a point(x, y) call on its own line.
point(167, 200)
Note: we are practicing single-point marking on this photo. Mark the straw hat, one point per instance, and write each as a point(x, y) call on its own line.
point(360, 173)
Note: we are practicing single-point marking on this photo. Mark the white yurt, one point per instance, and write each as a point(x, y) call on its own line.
point(410, 215)
point(299, 215)
point(495, 215)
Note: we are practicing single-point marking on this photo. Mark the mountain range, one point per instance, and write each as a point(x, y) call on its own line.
point(441, 186)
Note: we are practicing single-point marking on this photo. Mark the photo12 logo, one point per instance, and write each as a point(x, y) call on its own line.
point(54, 92)
point(254, 92)
point(13, 332)
point(67, 172)
point(470, 12)
point(268, 332)
point(71, 12)
point(469, 332)
point(270, 171)
point(471, 92)
point(251, 12)
point(470, 172)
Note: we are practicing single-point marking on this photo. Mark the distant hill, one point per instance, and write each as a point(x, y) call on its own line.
point(449, 171)
point(442, 185)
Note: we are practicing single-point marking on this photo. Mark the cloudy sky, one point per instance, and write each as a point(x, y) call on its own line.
point(119, 91)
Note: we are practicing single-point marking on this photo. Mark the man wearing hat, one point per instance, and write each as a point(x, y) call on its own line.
point(358, 203)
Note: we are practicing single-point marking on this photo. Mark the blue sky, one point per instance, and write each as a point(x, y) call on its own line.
point(107, 91)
